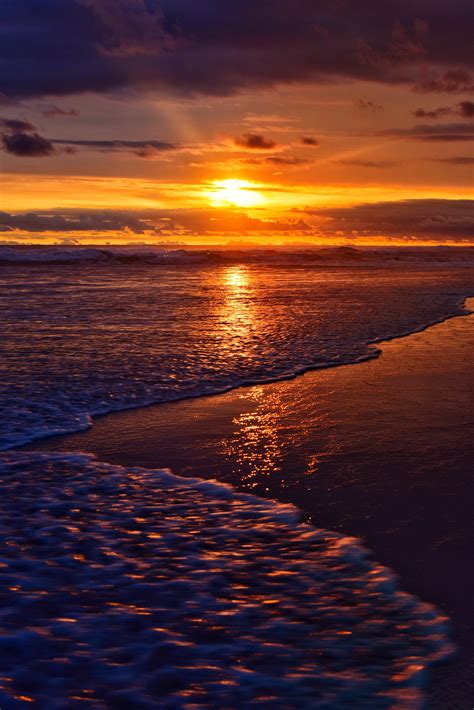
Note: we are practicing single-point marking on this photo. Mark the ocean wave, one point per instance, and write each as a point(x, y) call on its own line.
point(78, 343)
point(129, 587)
point(161, 255)
point(74, 254)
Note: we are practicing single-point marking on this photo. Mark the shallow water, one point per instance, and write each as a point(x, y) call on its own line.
point(83, 339)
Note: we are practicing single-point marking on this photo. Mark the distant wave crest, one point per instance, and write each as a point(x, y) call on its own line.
point(148, 254)
point(51, 254)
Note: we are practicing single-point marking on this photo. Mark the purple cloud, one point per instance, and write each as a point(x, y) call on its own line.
point(188, 47)
point(27, 145)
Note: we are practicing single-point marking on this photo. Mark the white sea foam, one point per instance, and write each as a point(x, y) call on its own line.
point(131, 588)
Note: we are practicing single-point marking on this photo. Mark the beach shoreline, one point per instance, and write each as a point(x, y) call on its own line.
point(208, 424)
point(374, 351)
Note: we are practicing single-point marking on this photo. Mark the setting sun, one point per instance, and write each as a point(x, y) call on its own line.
point(238, 193)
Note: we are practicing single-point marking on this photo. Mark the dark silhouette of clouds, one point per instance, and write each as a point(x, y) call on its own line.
point(58, 47)
point(433, 113)
point(368, 163)
point(27, 145)
point(454, 81)
point(55, 111)
point(20, 138)
point(146, 148)
point(310, 141)
point(439, 219)
point(369, 106)
point(449, 133)
point(443, 220)
point(255, 141)
point(190, 222)
point(16, 124)
point(466, 109)
point(463, 108)
point(464, 160)
point(279, 160)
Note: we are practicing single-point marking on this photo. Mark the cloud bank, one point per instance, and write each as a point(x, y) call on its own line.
point(443, 220)
point(408, 220)
point(59, 47)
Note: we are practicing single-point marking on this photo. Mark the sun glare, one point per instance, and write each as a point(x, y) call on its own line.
point(237, 193)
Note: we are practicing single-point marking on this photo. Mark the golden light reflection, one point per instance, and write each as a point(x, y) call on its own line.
point(257, 448)
point(270, 426)
point(237, 316)
point(236, 277)
point(240, 317)
point(234, 193)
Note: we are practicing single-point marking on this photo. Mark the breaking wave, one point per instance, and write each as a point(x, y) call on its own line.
point(131, 587)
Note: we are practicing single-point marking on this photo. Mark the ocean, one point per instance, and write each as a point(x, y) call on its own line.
point(126, 585)
point(87, 338)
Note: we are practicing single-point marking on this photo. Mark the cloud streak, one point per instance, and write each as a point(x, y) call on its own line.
point(449, 133)
point(410, 220)
point(21, 139)
point(463, 108)
point(442, 220)
point(177, 222)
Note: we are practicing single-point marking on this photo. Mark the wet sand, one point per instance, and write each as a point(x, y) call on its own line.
point(383, 450)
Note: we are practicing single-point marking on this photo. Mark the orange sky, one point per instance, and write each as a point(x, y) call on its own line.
point(268, 164)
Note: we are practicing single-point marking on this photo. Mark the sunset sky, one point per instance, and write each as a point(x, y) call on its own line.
point(259, 121)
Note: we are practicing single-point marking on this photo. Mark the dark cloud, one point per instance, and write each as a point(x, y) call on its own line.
point(443, 220)
point(310, 141)
point(27, 145)
point(466, 109)
point(449, 133)
point(369, 106)
point(368, 163)
point(55, 111)
point(20, 138)
point(454, 81)
point(15, 124)
point(280, 160)
point(455, 160)
point(144, 149)
point(70, 221)
point(434, 113)
point(178, 222)
point(287, 160)
point(60, 47)
point(254, 141)
point(463, 108)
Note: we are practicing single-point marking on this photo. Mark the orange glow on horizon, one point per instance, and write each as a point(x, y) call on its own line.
point(221, 205)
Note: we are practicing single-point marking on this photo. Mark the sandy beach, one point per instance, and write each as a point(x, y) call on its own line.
point(406, 489)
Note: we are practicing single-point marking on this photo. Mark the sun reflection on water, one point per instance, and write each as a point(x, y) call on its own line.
point(266, 436)
point(237, 316)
